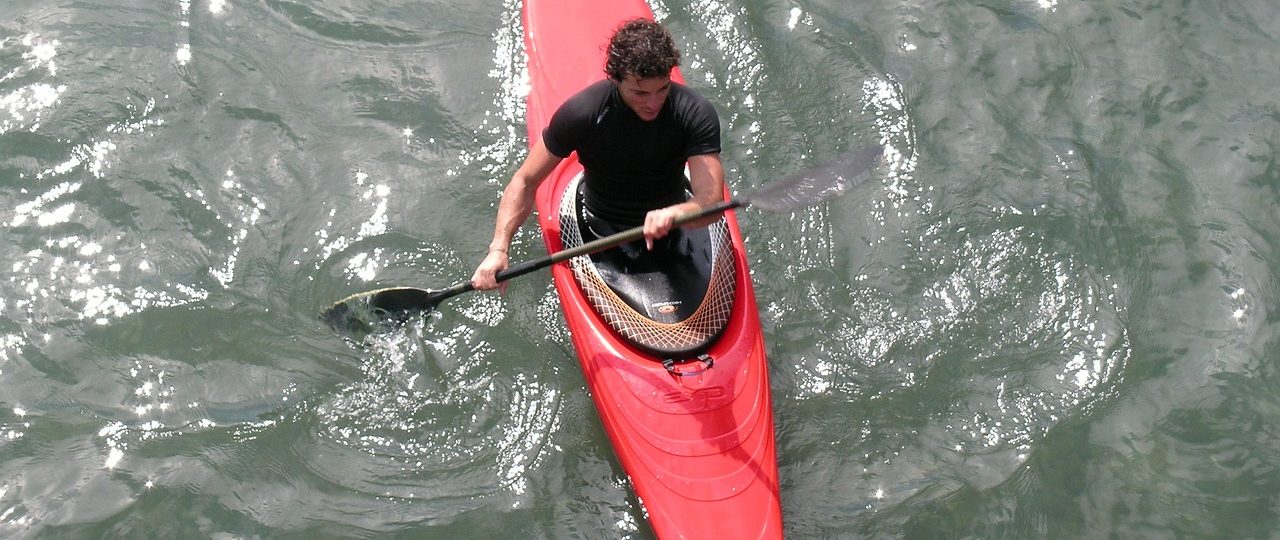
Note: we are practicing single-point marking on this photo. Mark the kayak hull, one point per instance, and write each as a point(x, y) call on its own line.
point(698, 445)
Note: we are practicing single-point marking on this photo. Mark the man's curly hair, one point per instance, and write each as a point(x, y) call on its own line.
point(642, 48)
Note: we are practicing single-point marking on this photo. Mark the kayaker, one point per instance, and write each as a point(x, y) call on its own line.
point(635, 132)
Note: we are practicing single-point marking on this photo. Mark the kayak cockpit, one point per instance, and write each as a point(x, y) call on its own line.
point(673, 301)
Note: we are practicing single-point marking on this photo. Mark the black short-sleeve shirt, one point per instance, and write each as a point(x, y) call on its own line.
point(632, 166)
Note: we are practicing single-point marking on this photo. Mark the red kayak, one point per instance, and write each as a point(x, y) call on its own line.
point(692, 426)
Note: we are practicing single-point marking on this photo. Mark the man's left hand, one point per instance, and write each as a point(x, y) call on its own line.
point(657, 223)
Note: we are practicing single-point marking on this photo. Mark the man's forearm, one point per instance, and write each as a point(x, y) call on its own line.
point(513, 210)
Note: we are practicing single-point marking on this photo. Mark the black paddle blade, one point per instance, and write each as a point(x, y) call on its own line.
point(362, 313)
point(810, 187)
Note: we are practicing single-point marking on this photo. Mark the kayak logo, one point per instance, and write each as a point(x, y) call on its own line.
point(702, 398)
point(664, 308)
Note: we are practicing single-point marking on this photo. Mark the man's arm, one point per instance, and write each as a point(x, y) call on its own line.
point(513, 210)
point(706, 177)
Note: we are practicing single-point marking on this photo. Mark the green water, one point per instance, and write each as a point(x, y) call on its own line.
point(1046, 317)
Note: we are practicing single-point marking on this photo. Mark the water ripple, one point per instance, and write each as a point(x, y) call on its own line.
point(331, 25)
point(434, 426)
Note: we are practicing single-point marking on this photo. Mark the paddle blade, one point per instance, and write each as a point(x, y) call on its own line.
point(364, 312)
point(810, 187)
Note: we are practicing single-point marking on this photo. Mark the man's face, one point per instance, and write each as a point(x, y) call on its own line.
point(645, 96)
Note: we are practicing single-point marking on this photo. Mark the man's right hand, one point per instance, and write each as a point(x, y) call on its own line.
point(514, 208)
point(485, 276)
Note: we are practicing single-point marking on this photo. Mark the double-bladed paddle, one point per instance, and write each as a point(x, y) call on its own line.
point(358, 311)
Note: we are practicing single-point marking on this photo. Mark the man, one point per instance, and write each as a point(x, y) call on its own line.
point(634, 133)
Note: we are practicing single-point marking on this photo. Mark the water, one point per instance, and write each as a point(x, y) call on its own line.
point(1048, 316)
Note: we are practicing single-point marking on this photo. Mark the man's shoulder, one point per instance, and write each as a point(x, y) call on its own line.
point(592, 95)
point(573, 119)
point(686, 100)
point(682, 89)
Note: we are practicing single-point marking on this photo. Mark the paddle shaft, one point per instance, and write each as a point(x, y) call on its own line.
point(823, 178)
point(795, 191)
point(594, 246)
point(601, 244)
